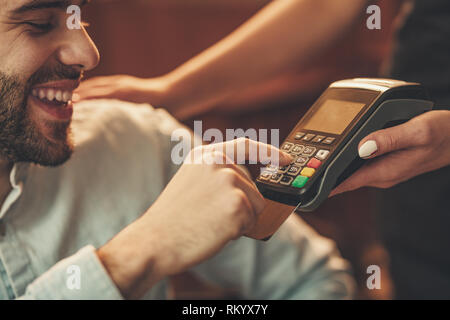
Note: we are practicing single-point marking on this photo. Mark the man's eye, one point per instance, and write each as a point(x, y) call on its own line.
point(42, 27)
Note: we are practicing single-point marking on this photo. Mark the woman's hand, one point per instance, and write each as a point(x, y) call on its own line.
point(402, 152)
point(124, 87)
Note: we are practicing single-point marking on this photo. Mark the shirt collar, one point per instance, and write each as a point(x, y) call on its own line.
point(17, 179)
point(18, 173)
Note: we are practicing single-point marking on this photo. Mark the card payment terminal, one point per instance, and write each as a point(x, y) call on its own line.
point(324, 143)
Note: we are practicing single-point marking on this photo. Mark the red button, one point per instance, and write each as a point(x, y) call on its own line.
point(314, 163)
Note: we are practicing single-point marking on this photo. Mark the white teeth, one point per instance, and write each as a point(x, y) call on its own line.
point(59, 95)
point(50, 94)
point(67, 96)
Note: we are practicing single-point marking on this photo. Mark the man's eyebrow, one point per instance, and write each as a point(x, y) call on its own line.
point(34, 5)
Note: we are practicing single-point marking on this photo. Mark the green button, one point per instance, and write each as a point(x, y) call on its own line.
point(300, 181)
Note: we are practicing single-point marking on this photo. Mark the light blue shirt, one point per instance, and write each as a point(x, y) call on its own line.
point(54, 218)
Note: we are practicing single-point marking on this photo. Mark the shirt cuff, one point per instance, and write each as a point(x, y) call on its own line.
point(81, 276)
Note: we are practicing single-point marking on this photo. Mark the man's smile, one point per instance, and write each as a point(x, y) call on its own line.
point(55, 98)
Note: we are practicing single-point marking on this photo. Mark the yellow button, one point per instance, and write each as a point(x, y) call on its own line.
point(308, 172)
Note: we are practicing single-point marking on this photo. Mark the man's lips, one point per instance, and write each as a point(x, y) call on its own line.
point(69, 85)
point(58, 110)
point(55, 98)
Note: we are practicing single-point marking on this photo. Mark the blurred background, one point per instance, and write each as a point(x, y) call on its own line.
point(148, 38)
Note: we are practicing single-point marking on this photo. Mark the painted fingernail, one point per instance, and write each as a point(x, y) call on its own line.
point(367, 149)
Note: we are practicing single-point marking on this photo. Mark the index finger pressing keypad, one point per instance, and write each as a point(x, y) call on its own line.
point(307, 160)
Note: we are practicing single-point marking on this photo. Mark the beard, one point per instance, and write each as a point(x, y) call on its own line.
point(20, 138)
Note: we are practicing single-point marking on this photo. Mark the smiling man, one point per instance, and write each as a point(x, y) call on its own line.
point(35, 89)
point(91, 192)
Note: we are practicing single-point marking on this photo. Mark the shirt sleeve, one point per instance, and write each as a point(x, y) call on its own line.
point(78, 277)
point(296, 263)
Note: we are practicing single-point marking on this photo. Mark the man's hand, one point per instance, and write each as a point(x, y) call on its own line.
point(402, 152)
point(204, 206)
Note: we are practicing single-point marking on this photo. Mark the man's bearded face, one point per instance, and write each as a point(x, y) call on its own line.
point(21, 138)
point(41, 63)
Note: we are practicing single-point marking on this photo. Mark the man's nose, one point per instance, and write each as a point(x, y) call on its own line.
point(78, 49)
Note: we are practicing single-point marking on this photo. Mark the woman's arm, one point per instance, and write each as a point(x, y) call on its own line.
point(284, 34)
